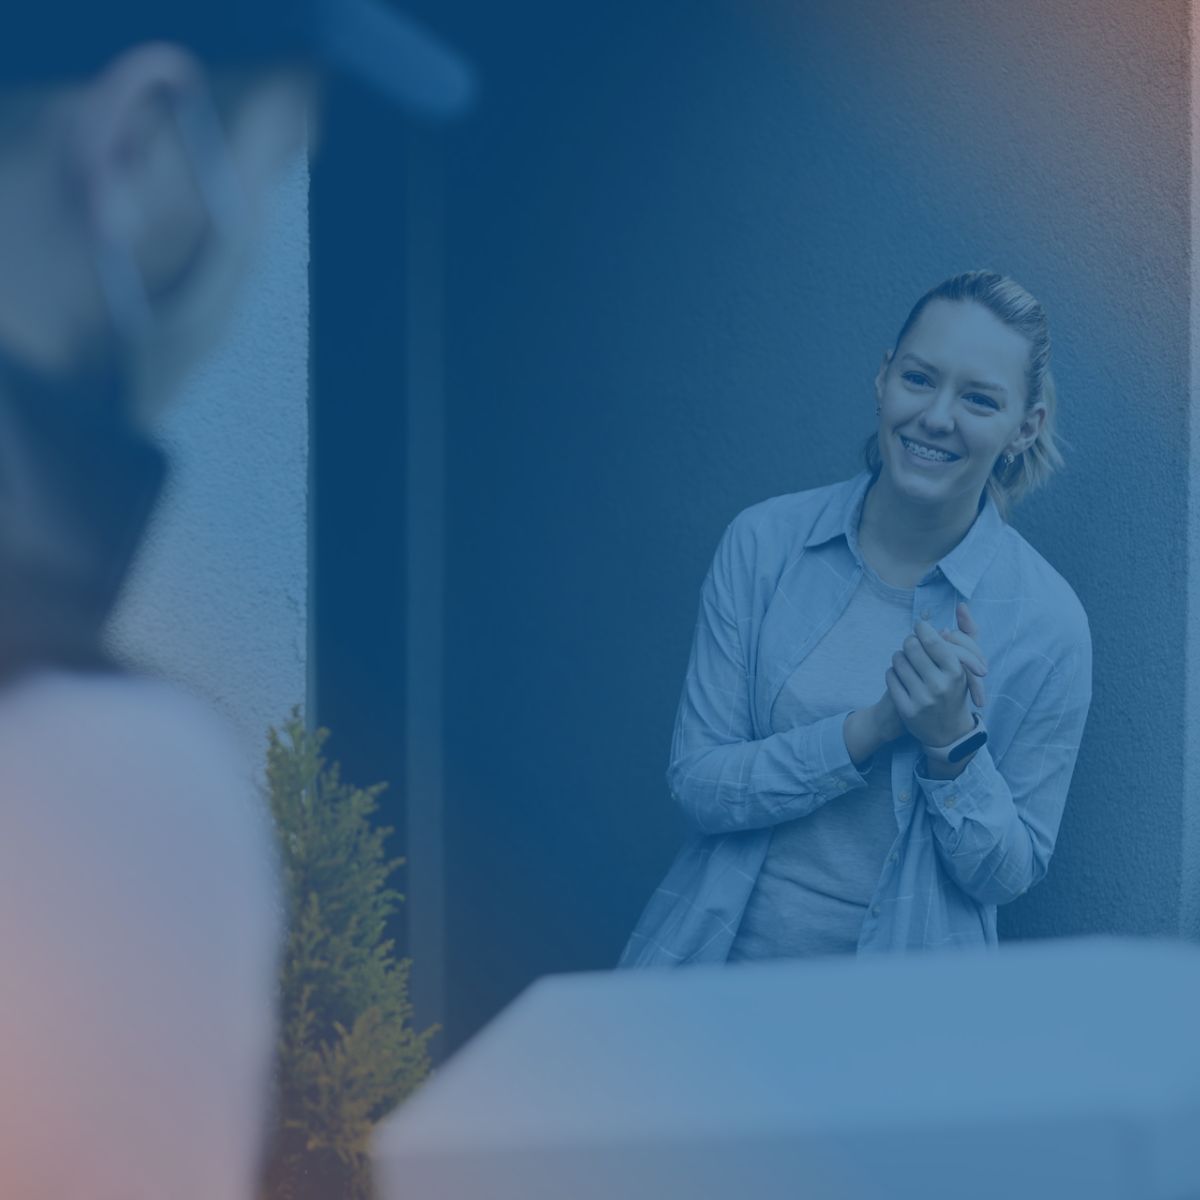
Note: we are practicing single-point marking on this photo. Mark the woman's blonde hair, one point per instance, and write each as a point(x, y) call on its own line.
point(1013, 305)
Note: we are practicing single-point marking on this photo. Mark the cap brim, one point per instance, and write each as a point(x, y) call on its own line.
point(395, 56)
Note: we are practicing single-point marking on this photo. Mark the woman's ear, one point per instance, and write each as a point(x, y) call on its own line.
point(1029, 429)
point(881, 375)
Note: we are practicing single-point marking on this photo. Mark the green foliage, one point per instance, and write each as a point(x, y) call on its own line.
point(347, 1051)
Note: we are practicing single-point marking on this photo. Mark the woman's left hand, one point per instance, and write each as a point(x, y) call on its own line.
point(928, 685)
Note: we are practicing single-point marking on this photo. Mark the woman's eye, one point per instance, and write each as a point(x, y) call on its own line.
point(915, 377)
point(984, 401)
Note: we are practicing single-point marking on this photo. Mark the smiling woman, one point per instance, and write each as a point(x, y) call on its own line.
point(978, 346)
point(849, 785)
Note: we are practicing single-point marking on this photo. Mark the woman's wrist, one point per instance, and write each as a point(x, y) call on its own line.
point(948, 759)
point(865, 731)
point(947, 736)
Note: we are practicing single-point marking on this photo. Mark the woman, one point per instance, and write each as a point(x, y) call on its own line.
point(850, 785)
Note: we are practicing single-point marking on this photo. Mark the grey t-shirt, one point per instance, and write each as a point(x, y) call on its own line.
point(821, 870)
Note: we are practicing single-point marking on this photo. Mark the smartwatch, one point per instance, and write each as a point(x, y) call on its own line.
point(957, 751)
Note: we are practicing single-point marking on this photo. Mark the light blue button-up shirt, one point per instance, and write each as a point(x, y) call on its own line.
point(783, 573)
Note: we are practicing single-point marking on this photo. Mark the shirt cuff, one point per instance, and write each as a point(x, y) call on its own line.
point(957, 799)
point(841, 773)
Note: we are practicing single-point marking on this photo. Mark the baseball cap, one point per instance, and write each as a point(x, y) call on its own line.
point(368, 40)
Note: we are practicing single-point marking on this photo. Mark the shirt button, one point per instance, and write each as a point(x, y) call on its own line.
point(875, 910)
point(950, 800)
point(904, 797)
point(895, 858)
point(925, 614)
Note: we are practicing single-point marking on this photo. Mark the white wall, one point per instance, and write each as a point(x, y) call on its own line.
point(218, 597)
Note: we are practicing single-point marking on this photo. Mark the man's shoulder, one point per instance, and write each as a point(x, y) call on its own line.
point(137, 885)
point(135, 766)
point(134, 794)
point(114, 697)
point(61, 720)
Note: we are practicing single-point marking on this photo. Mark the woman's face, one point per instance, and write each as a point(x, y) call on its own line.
point(952, 401)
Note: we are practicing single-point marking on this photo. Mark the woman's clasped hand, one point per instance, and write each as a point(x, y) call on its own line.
point(930, 679)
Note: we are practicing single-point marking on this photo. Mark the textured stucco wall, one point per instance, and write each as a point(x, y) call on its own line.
point(674, 260)
point(1189, 923)
point(218, 597)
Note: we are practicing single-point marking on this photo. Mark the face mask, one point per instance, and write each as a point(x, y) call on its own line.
point(77, 485)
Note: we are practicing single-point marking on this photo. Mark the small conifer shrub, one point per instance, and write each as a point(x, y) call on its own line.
point(347, 1051)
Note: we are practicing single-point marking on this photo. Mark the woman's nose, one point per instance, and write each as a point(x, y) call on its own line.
point(939, 412)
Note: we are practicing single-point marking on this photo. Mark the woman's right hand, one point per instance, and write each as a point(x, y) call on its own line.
point(969, 653)
point(883, 718)
point(869, 729)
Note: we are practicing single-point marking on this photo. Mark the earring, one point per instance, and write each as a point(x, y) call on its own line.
point(1009, 459)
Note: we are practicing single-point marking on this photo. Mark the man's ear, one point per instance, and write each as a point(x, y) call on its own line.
point(136, 186)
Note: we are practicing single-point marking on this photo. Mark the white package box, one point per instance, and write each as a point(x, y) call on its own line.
point(1045, 1071)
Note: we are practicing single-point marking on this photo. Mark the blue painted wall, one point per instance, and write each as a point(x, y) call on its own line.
point(678, 238)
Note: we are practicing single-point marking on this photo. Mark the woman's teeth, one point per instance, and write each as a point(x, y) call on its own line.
point(919, 451)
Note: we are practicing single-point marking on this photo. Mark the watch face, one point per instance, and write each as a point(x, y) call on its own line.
point(968, 745)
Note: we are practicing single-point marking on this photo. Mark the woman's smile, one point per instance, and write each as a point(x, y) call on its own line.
point(951, 399)
point(927, 455)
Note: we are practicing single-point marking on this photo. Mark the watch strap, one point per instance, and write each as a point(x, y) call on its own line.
point(957, 750)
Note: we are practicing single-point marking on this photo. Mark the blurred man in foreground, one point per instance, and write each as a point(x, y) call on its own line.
point(138, 911)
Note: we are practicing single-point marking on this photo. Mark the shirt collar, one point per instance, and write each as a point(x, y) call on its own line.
point(963, 566)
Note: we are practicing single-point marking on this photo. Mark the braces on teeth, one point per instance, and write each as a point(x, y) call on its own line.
point(938, 455)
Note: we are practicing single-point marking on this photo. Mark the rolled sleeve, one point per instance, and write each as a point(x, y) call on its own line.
point(748, 785)
point(995, 825)
point(964, 798)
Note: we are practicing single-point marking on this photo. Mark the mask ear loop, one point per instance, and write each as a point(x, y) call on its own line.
point(221, 192)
